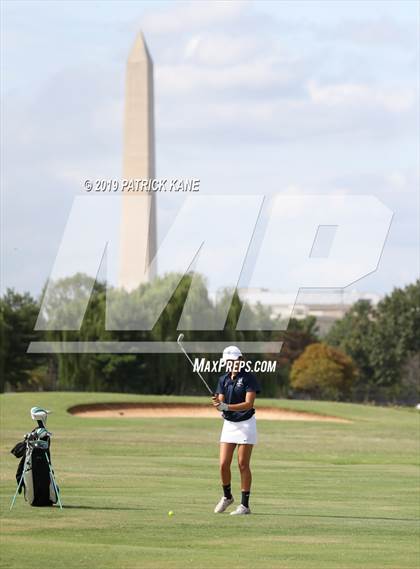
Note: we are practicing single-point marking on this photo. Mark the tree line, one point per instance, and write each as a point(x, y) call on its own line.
point(371, 354)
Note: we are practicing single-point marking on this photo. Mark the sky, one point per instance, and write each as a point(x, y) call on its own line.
point(288, 98)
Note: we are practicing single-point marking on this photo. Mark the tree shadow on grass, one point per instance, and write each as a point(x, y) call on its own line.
point(339, 517)
point(116, 508)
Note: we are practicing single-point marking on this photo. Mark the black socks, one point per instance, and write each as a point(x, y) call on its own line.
point(245, 499)
point(227, 492)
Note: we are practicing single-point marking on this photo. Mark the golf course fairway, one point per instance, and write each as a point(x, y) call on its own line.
point(325, 495)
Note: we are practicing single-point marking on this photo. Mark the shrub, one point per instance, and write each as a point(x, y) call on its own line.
point(323, 372)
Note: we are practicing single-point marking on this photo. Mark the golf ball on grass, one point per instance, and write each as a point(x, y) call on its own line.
point(170, 513)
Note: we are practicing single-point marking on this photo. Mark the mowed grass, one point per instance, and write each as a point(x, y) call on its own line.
point(325, 495)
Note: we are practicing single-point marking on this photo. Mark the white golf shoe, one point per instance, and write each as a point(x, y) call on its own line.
point(223, 504)
point(241, 511)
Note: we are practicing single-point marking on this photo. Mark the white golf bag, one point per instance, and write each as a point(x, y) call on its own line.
point(35, 474)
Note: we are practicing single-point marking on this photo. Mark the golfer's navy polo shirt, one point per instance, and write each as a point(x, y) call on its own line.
point(235, 391)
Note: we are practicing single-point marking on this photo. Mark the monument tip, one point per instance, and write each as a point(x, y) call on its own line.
point(139, 51)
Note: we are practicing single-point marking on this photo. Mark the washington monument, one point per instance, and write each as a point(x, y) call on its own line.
point(138, 223)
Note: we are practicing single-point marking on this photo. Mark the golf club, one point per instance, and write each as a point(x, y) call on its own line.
point(179, 341)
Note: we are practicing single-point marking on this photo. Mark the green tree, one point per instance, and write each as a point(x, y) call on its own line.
point(396, 342)
point(299, 335)
point(77, 370)
point(18, 315)
point(323, 372)
point(353, 334)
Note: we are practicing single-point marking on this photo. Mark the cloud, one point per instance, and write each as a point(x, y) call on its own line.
point(256, 76)
point(248, 88)
point(394, 100)
point(188, 16)
point(220, 49)
point(383, 32)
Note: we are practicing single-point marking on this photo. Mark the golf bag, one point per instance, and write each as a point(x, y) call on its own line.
point(34, 473)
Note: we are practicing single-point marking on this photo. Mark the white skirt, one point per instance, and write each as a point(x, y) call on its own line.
point(240, 433)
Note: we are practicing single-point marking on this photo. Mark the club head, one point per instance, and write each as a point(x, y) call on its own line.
point(180, 338)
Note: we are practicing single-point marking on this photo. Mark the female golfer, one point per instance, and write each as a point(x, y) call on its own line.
point(235, 396)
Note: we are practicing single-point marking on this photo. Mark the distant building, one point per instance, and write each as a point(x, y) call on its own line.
point(327, 307)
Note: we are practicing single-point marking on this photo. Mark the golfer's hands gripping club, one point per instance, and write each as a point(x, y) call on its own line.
point(220, 405)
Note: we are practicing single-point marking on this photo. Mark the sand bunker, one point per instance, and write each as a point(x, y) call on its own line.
point(146, 410)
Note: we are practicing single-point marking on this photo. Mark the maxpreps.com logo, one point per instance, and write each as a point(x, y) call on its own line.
point(203, 365)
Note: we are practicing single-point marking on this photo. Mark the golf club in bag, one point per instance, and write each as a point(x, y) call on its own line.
point(35, 474)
